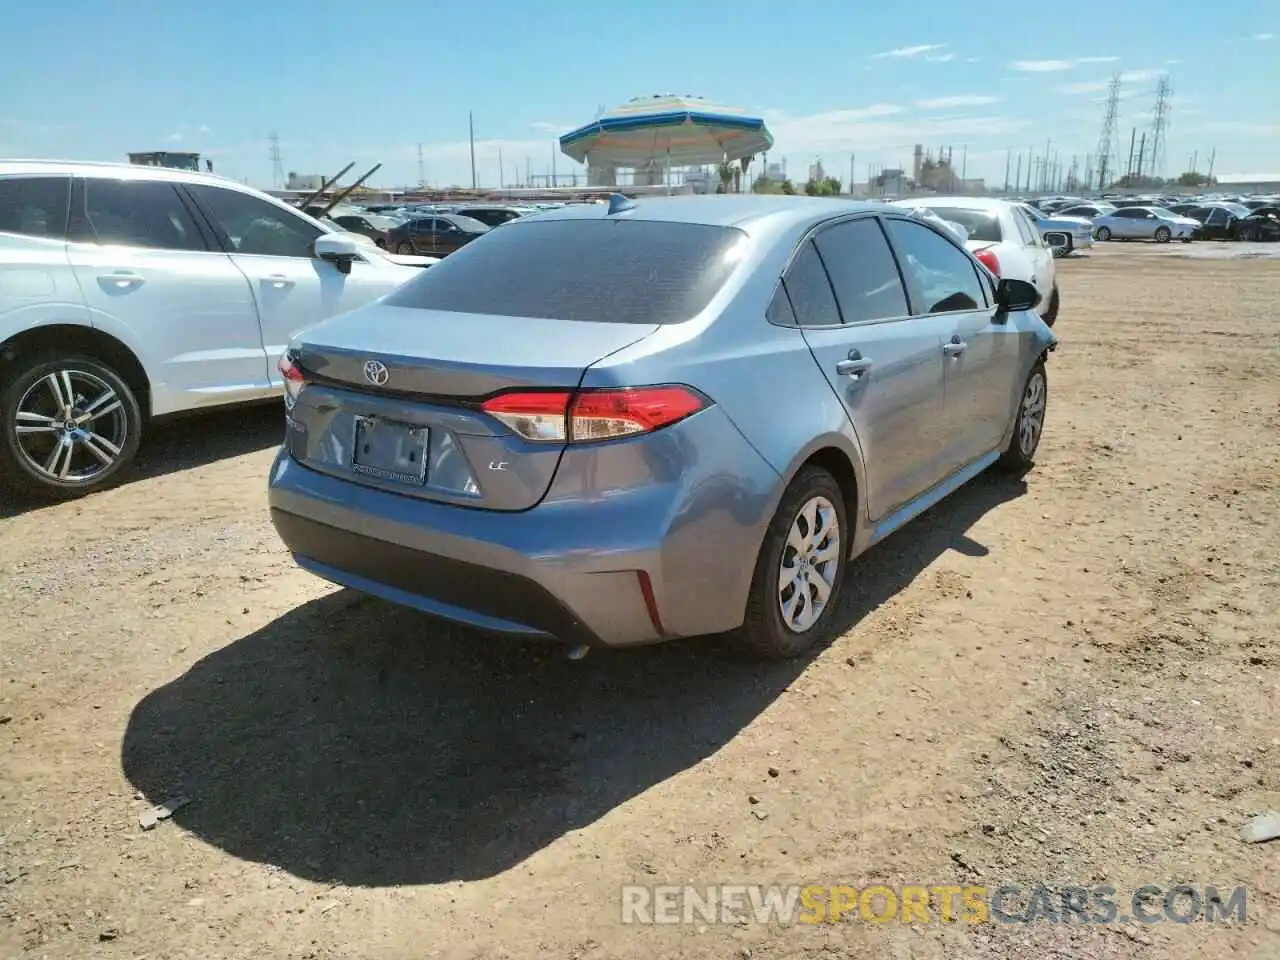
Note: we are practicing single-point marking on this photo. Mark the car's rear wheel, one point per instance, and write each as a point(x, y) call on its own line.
point(1162, 235)
point(799, 570)
point(1104, 233)
point(1019, 455)
point(70, 426)
point(405, 248)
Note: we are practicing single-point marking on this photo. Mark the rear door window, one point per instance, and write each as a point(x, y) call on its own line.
point(615, 271)
point(35, 206)
point(862, 271)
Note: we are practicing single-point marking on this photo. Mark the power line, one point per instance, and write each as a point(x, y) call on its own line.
point(1107, 138)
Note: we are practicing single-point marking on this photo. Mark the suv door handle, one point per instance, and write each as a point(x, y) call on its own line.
point(279, 281)
point(121, 278)
point(954, 348)
point(855, 366)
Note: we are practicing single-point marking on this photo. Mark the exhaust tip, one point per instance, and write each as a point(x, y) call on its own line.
point(578, 651)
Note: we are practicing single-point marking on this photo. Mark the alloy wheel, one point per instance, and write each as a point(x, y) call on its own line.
point(71, 426)
point(810, 564)
point(1031, 417)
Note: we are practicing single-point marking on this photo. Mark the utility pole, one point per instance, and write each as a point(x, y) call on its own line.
point(1008, 158)
point(1142, 148)
point(422, 168)
point(1133, 136)
point(1017, 177)
point(471, 138)
point(502, 173)
point(1213, 155)
point(852, 177)
point(964, 165)
point(554, 180)
point(1106, 139)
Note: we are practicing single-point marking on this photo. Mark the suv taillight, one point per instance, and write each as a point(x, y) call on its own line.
point(564, 416)
point(989, 260)
point(293, 380)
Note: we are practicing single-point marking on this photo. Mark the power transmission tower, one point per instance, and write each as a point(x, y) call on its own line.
point(1159, 124)
point(422, 168)
point(277, 164)
point(1107, 139)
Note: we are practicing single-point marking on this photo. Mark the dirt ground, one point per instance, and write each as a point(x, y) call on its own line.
point(1070, 680)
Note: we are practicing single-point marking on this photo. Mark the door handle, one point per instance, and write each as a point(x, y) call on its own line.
point(121, 278)
point(954, 348)
point(279, 281)
point(855, 366)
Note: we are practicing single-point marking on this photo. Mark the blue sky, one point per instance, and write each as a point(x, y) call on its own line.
point(339, 81)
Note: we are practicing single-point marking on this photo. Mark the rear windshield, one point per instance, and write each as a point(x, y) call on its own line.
point(981, 225)
point(618, 271)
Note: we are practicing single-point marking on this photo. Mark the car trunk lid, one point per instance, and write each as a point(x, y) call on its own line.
point(392, 399)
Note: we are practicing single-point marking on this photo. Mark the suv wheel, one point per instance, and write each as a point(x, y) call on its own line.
point(799, 571)
point(69, 425)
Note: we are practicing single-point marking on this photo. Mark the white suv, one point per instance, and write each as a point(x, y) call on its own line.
point(128, 293)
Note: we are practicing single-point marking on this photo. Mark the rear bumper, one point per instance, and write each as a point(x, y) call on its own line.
point(594, 563)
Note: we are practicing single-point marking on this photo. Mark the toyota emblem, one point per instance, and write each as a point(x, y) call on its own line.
point(376, 372)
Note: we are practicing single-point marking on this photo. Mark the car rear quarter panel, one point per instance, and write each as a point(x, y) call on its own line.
point(762, 376)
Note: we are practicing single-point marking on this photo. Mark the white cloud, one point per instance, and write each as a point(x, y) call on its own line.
point(942, 58)
point(971, 59)
point(1042, 66)
point(878, 130)
point(913, 51)
point(1138, 76)
point(556, 128)
point(1172, 62)
point(1264, 36)
point(961, 100)
point(1097, 59)
point(1091, 86)
point(174, 138)
point(203, 128)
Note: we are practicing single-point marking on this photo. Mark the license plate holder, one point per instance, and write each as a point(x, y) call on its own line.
point(390, 450)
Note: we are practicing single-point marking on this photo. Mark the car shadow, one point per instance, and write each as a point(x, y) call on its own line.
point(191, 440)
point(355, 742)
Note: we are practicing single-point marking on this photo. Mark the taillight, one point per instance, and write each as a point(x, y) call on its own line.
point(293, 380)
point(567, 417)
point(989, 260)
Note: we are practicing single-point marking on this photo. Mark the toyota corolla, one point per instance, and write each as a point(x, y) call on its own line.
point(619, 424)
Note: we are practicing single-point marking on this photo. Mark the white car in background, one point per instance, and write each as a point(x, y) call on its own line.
point(1005, 239)
point(128, 293)
point(1145, 223)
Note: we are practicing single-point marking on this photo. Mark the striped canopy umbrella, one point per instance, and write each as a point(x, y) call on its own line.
point(667, 130)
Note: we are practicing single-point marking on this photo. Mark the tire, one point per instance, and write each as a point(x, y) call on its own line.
point(1051, 314)
point(1019, 455)
point(111, 433)
point(1161, 235)
point(765, 632)
point(1104, 234)
point(404, 248)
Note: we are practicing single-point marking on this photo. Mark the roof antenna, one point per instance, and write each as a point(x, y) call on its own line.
point(618, 203)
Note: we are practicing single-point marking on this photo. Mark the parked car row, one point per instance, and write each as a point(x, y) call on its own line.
point(1162, 219)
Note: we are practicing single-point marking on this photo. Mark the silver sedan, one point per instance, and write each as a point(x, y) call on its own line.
point(1145, 223)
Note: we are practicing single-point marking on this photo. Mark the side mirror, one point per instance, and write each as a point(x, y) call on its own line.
point(1013, 295)
point(339, 249)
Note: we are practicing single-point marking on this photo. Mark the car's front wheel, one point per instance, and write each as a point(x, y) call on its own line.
point(70, 425)
point(1162, 235)
point(799, 570)
point(1020, 453)
point(404, 248)
point(1104, 233)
